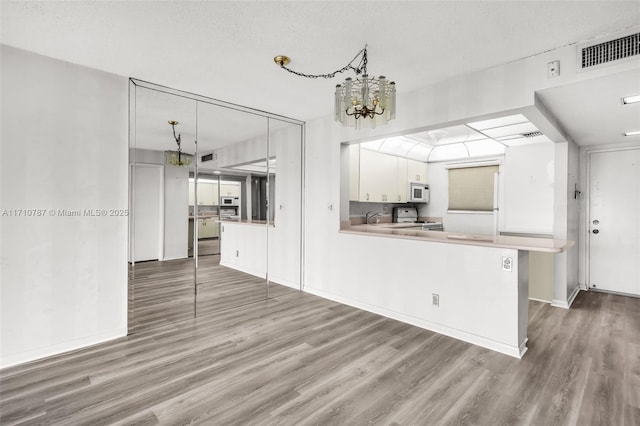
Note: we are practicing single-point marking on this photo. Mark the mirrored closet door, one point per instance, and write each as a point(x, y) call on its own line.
point(216, 206)
point(162, 153)
point(232, 251)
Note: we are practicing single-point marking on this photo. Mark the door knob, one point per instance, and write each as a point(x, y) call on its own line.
point(595, 231)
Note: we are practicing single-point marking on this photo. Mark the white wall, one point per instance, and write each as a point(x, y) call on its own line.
point(528, 198)
point(176, 212)
point(479, 303)
point(64, 146)
point(526, 193)
point(473, 223)
point(284, 237)
point(243, 247)
point(573, 222)
point(566, 222)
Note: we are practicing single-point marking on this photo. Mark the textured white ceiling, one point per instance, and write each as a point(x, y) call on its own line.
point(225, 49)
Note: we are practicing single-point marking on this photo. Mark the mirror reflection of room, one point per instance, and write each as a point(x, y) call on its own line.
point(210, 219)
point(219, 197)
point(162, 155)
point(231, 250)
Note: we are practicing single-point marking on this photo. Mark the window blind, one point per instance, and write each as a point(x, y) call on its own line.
point(471, 188)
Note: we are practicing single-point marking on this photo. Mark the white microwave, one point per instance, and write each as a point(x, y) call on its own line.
point(418, 193)
point(229, 201)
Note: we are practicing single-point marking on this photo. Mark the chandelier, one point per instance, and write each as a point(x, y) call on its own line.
point(361, 102)
point(177, 158)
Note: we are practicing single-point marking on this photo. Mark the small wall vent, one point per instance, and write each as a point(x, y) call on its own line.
point(207, 157)
point(532, 134)
point(609, 51)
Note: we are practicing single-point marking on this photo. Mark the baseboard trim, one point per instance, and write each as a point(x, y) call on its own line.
point(539, 300)
point(566, 304)
point(255, 273)
point(284, 282)
point(573, 296)
point(70, 346)
point(617, 293)
point(514, 351)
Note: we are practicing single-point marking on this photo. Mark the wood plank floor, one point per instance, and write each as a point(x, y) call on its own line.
point(302, 360)
point(164, 292)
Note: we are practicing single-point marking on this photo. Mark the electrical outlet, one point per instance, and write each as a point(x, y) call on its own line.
point(507, 264)
point(553, 69)
point(330, 207)
point(435, 299)
point(385, 209)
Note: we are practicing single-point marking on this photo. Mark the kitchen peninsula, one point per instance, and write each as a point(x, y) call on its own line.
point(468, 286)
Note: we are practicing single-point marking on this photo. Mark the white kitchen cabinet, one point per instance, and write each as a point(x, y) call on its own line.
point(402, 187)
point(378, 177)
point(416, 171)
point(229, 189)
point(207, 194)
point(207, 228)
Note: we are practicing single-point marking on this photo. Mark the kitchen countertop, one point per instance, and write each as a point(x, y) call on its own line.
point(410, 232)
point(204, 216)
point(245, 222)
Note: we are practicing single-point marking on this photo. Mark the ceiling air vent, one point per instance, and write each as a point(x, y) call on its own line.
point(610, 51)
point(207, 157)
point(532, 134)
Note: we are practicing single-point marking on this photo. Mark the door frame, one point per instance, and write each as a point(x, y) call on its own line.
point(585, 246)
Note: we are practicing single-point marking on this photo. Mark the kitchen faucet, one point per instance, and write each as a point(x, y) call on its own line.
point(368, 216)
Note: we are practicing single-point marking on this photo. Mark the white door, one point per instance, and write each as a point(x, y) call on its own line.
point(614, 221)
point(147, 196)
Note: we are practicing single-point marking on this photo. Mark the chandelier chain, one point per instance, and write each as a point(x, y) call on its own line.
point(361, 68)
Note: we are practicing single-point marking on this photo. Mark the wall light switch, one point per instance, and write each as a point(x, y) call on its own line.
point(435, 299)
point(507, 264)
point(553, 69)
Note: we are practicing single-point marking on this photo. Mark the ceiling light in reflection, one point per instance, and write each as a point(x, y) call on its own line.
point(420, 152)
point(449, 152)
point(631, 99)
point(484, 148)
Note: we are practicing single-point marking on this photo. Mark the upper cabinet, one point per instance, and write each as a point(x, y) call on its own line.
point(230, 189)
point(207, 193)
point(378, 177)
point(381, 178)
point(402, 185)
point(416, 171)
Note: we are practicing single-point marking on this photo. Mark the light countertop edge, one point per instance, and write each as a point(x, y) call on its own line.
point(498, 241)
point(246, 222)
